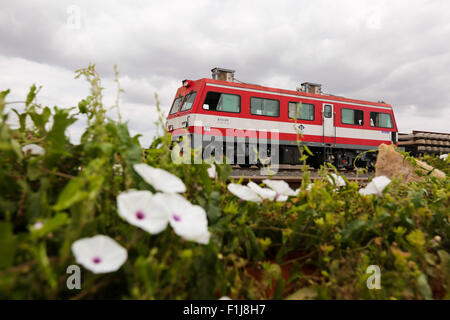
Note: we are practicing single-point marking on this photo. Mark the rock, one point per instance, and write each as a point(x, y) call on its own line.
point(391, 164)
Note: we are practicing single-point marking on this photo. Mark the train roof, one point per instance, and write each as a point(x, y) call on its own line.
point(292, 93)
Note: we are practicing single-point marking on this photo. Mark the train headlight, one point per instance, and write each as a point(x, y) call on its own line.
point(187, 83)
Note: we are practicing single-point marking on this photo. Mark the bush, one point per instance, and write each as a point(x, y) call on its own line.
point(316, 245)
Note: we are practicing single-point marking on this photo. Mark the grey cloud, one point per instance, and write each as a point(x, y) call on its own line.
point(395, 51)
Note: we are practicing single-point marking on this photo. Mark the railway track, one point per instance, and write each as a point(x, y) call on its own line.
point(292, 174)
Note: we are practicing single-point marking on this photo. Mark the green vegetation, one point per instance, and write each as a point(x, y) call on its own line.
point(316, 245)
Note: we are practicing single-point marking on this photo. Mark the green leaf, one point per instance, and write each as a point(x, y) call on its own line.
point(22, 119)
point(445, 266)
point(206, 180)
point(31, 95)
point(56, 137)
point(34, 171)
point(58, 221)
point(72, 193)
point(424, 287)
point(253, 247)
point(7, 245)
point(40, 119)
point(352, 228)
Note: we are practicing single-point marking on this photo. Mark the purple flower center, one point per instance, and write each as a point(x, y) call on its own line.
point(277, 195)
point(140, 215)
point(176, 217)
point(96, 260)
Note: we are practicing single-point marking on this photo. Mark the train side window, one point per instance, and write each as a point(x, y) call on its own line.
point(188, 101)
point(217, 101)
point(301, 111)
point(265, 107)
point(352, 116)
point(176, 105)
point(327, 112)
point(381, 120)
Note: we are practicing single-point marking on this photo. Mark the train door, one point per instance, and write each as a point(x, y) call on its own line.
point(328, 122)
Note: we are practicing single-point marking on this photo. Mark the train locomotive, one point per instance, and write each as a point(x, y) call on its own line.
point(233, 118)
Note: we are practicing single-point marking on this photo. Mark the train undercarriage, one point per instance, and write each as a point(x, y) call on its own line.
point(246, 153)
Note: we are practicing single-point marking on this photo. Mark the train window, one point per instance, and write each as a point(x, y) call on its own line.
point(216, 101)
point(188, 101)
point(382, 120)
point(327, 112)
point(301, 111)
point(175, 105)
point(352, 116)
point(265, 107)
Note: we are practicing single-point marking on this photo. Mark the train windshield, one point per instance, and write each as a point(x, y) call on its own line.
point(189, 101)
point(176, 105)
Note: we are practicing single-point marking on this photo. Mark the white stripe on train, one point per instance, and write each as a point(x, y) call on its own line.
point(212, 121)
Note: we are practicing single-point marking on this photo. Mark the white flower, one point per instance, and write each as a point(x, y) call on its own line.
point(225, 298)
point(376, 186)
point(212, 171)
point(38, 225)
point(160, 179)
point(280, 187)
point(338, 181)
point(152, 213)
point(267, 193)
point(33, 149)
point(244, 192)
point(443, 156)
point(262, 192)
point(141, 210)
point(187, 220)
point(118, 168)
point(99, 254)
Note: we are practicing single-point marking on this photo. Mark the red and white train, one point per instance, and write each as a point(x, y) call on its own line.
point(334, 128)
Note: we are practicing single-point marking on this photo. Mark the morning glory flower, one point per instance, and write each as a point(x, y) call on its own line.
point(99, 254)
point(33, 149)
point(443, 156)
point(140, 210)
point(280, 187)
point(376, 186)
point(266, 193)
point(244, 192)
point(187, 220)
point(160, 179)
point(338, 181)
point(38, 225)
point(212, 171)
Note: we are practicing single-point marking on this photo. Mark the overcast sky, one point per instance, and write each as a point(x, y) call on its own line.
point(396, 51)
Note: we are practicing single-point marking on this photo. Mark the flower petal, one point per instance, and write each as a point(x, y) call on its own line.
point(280, 187)
point(376, 186)
point(187, 220)
point(212, 171)
point(141, 209)
point(337, 180)
point(33, 149)
point(99, 254)
point(160, 179)
point(262, 192)
point(243, 192)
